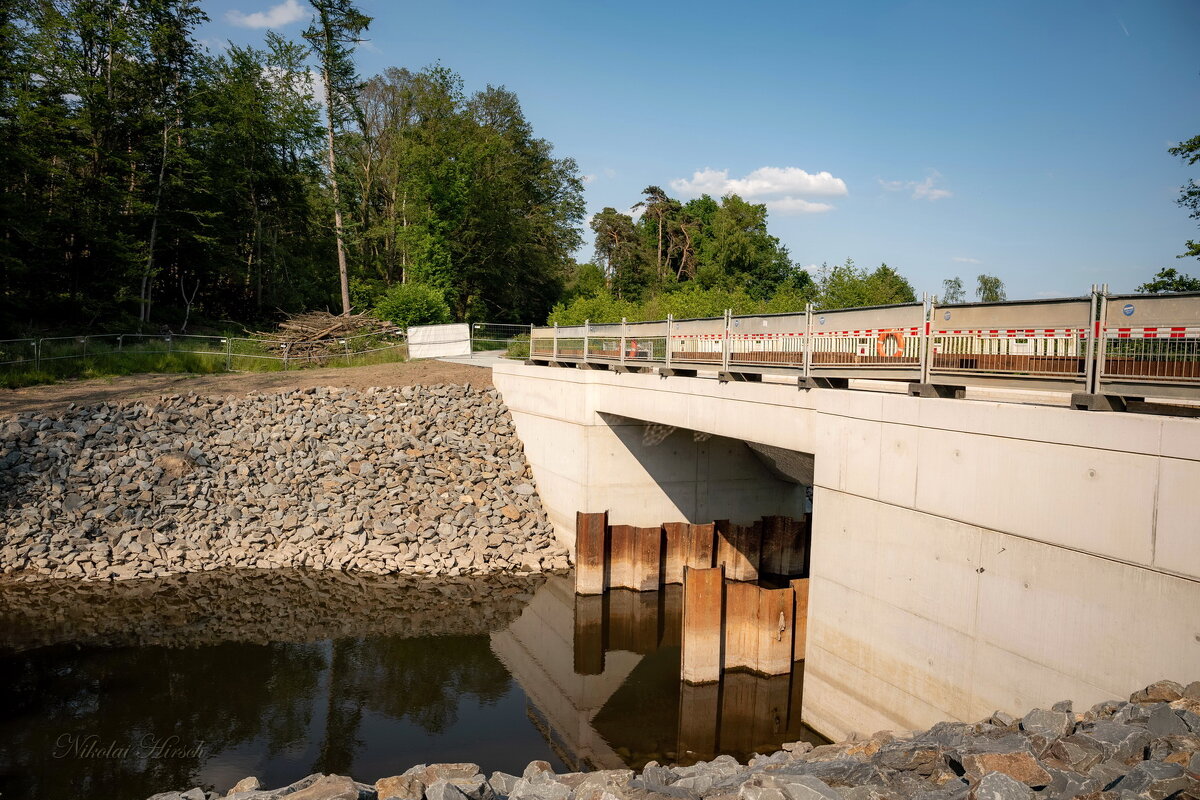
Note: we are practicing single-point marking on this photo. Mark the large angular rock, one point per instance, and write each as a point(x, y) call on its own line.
point(1153, 780)
point(501, 782)
point(1160, 692)
point(1018, 765)
point(908, 756)
point(333, 787)
point(250, 784)
point(429, 773)
point(871, 793)
point(444, 790)
point(1122, 742)
point(1076, 754)
point(1164, 721)
point(400, 787)
point(998, 786)
point(806, 787)
point(539, 790)
point(838, 772)
point(1051, 724)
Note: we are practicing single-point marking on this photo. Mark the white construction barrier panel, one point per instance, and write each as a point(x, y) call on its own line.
point(435, 341)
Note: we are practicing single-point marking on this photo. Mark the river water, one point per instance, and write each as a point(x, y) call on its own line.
point(123, 690)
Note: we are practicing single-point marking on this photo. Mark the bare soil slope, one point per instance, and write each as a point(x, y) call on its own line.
point(133, 387)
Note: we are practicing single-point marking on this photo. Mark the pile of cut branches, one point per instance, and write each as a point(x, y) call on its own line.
point(317, 335)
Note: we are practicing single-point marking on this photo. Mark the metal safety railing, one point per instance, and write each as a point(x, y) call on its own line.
point(1127, 345)
point(1149, 345)
point(229, 352)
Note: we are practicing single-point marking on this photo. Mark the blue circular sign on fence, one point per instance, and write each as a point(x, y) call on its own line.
point(946, 316)
point(821, 320)
point(1127, 309)
point(737, 323)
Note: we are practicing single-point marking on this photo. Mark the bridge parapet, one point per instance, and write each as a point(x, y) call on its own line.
point(1120, 346)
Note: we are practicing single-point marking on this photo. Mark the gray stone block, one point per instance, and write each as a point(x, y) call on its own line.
point(1164, 721)
point(502, 783)
point(806, 787)
point(1153, 780)
point(1051, 724)
point(998, 786)
point(444, 790)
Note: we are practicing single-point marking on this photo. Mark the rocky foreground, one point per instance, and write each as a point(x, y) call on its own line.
point(415, 480)
point(1147, 748)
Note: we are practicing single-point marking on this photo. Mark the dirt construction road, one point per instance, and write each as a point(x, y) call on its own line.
point(137, 387)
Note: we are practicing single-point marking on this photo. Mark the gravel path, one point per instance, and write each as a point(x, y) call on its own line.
point(58, 396)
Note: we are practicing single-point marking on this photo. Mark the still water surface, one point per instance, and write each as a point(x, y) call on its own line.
point(125, 690)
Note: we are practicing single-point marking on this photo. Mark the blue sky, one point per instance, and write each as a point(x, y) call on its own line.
point(1022, 139)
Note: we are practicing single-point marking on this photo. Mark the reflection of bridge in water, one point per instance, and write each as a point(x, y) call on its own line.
point(602, 674)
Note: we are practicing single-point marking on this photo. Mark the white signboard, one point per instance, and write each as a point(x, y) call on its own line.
point(434, 341)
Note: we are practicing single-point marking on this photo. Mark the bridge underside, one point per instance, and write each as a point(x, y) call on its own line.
point(967, 556)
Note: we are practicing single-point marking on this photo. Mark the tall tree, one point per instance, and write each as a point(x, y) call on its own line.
point(989, 289)
point(1170, 280)
point(619, 250)
point(849, 286)
point(1189, 194)
point(335, 28)
point(952, 291)
point(657, 207)
point(741, 252)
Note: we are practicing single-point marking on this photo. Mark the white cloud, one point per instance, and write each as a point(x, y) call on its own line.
point(285, 13)
point(797, 205)
point(308, 82)
point(927, 189)
point(762, 182)
point(966, 260)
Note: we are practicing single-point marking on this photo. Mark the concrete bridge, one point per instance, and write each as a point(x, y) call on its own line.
point(967, 555)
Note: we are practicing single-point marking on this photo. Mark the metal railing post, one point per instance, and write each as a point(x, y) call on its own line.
point(808, 339)
point(1101, 339)
point(624, 325)
point(725, 345)
point(927, 342)
point(228, 353)
point(37, 355)
point(670, 326)
point(285, 355)
point(121, 343)
point(586, 331)
point(1090, 332)
point(554, 348)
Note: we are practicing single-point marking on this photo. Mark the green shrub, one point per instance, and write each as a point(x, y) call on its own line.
point(408, 304)
point(689, 302)
point(518, 346)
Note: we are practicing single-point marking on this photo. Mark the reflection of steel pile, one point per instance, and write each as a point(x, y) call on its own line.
point(602, 676)
point(256, 606)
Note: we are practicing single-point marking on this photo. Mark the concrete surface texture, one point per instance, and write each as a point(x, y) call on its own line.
point(967, 555)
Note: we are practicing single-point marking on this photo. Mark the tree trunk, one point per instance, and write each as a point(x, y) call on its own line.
point(337, 199)
point(148, 274)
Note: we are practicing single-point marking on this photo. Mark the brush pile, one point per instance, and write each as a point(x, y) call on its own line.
point(316, 335)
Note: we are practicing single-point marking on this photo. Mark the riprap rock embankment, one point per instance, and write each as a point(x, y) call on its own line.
point(413, 480)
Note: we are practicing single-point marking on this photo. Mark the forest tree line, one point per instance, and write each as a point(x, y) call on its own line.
point(145, 177)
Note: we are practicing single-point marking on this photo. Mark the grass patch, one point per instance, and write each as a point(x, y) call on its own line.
point(106, 357)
